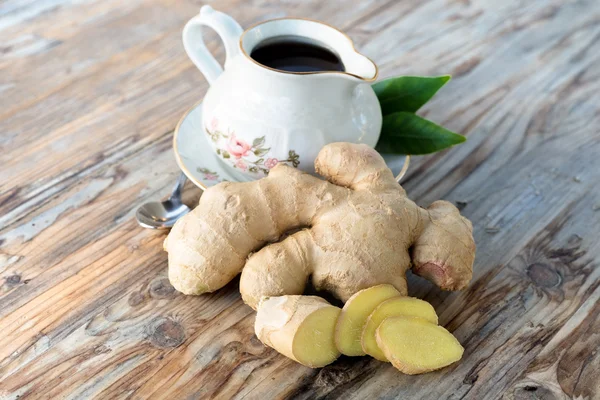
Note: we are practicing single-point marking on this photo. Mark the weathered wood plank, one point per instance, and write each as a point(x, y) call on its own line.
point(86, 309)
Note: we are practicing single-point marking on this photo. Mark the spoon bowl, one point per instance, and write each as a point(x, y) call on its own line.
point(163, 214)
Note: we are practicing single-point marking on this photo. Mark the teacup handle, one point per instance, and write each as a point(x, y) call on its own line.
point(227, 28)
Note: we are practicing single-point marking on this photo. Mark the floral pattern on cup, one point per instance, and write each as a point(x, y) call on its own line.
point(208, 174)
point(271, 162)
point(243, 155)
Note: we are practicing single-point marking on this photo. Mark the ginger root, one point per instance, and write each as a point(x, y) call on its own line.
point(357, 229)
point(357, 309)
point(396, 306)
point(299, 327)
point(415, 346)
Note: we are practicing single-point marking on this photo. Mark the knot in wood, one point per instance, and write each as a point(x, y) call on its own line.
point(544, 275)
point(533, 392)
point(13, 280)
point(166, 333)
point(161, 288)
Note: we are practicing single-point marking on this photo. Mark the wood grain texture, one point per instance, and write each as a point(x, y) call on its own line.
point(90, 92)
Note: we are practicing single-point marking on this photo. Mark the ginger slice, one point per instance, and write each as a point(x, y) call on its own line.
point(299, 327)
point(314, 345)
point(354, 315)
point(396, 306)
point(415, 346)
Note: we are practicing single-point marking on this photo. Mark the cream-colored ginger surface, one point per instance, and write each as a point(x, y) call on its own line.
point(357, 229)
point(354, 315)
point(299, 327)
point(396, 306)
point(415, 345)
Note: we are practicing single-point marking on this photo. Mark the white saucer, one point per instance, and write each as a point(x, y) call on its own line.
point(201, 164)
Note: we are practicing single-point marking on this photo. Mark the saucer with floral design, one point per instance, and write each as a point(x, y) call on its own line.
point(195, 156)
point(199, 162)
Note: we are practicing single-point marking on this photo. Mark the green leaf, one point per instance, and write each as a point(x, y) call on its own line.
point(407, 133)
point(261, 152)
point(258, 142)
point(225, 154)
point(407, 93)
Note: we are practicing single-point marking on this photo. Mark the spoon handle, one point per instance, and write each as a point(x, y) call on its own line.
point(176, 193)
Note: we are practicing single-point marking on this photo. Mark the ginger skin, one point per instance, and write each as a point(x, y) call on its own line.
point(358, 229)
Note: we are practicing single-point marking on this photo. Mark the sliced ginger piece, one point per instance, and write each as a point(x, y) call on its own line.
point(396, 306)
point(354, 315)
point(314, 344)
point(415, 346)
point(299, 327)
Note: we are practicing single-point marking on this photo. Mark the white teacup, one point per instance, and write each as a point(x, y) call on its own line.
point(256, 116)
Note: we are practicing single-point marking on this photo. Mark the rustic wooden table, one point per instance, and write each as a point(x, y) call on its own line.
point(90, 92)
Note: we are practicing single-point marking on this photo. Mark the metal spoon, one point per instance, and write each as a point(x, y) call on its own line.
point(163, 214)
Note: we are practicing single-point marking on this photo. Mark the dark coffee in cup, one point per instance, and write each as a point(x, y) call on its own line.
point(294, 55)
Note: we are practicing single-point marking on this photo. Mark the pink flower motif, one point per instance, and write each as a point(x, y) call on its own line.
point(241, 165)
point(237, 147)
point(271, 162)
point(214, 124)
point(210, 177)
